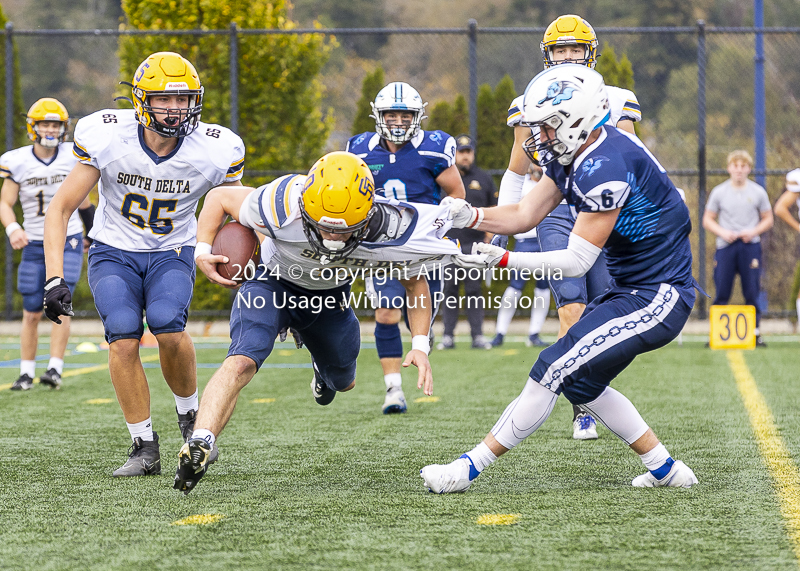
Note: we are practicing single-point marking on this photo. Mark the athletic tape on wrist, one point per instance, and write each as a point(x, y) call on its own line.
point(11, 228)
point(421, 343)
point(201, 248)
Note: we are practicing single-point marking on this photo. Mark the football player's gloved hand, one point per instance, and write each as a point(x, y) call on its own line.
point(483, 256)
point(57, 299)
point(462, 213)
point(298, 341)
point(500, 240)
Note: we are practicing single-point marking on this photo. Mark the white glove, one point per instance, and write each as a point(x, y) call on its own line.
point(462, 213)
point(483, 256)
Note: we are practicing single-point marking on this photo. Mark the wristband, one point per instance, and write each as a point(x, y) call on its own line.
point(504, 260)
point(201, 248)
point(478, 218)
point(421, 343)
point(11, 228)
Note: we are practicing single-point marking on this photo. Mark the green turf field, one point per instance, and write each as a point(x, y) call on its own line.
point(299, 486)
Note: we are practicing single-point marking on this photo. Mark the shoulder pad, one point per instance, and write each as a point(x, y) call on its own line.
point(387, 223)
point(94, 132)
point(279, 200)
point(515, 112)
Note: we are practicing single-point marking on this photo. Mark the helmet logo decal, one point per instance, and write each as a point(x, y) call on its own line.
point(178, 85)
point(366, 187)
point(557, 92)
point(140, 74)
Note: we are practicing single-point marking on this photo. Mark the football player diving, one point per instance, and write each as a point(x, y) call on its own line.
point(318, 228)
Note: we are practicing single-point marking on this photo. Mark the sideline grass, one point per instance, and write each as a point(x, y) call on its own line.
point(300, 486)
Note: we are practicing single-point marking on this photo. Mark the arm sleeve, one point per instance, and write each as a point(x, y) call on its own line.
point(574, 262)
point(510, 188)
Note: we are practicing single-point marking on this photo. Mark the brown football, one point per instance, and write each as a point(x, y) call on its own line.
point(242, 248)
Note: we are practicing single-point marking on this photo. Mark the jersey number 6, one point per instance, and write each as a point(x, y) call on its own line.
point(156, 224)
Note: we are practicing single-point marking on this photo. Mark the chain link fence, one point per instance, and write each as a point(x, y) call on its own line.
point(696, 87)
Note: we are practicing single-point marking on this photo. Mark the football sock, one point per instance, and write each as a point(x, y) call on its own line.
point(524, 415)
point(57, 364)
point(480, 457)
point(204, 434)
point(143, 430)
point(508, 306)
point(618, 414)
point(27, 368)
point(541, 305)
point(658, 461)
point(185, 404)
point(576, 410)
point(388, 341)
point(797, 302)
point(393, 380)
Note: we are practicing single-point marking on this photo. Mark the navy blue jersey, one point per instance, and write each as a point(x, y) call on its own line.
point(650, 241)
point(410, 174)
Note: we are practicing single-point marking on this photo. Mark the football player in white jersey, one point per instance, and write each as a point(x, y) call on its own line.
point(319, 230)
point(568, 39)
point(32, 175)
point(153, 163)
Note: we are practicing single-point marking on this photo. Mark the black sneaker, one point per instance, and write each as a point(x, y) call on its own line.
point(144, 459)
point(193, 461)
point(23, 383)
point(51, 378)
point(536, 341)
point(498, 340)
point(322, 393)
point(186, 423)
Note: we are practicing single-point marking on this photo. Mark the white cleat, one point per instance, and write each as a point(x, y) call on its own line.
point(395, 401)
point(584, 427)
point(447, 478)
point(680, 476)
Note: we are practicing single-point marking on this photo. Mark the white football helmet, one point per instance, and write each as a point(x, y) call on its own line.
point(398, 96)
point(569, 98)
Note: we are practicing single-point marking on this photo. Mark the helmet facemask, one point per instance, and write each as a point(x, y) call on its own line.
point(50, 142)
point(398, 96)
point(397, 134)
point(182, 120)
point(332, 250)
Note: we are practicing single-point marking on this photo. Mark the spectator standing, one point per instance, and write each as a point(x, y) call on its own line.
point(738, 212)
point(480, 191)
point(790, 194)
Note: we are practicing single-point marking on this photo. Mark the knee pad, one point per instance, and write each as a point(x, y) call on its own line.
point(388, 341)
point(121, 315)
point(168, 305)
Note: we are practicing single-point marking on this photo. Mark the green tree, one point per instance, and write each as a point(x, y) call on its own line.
point(280, 94)
point(372, 84)
point(495, 138)
point(452, 119)
point(616, 72)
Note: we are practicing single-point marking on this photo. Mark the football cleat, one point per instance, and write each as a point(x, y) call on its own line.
point(51, 378)
point(480, 342)
point(535, 341)
point(498, 340)
point(448, 478)
point(186, 423)
point(584, 427)
point(395, 401)
point(680, 476)
point(193, 460)
point(447, 342)
point(322, 393)
point(23, 383)
point(144, 459)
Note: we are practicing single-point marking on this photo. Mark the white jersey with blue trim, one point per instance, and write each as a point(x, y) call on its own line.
point(38, 182)
point(650, 240)
point(147, 203)
point(410, 173)
point(273, 210)
point(622, 105)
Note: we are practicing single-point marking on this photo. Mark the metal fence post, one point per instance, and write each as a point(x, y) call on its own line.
point(760, 97)
point(9, 63)
point(234, 77)
point(701, 161)
point(473, 80)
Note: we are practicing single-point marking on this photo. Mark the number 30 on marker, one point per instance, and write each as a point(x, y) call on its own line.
point(732, 327)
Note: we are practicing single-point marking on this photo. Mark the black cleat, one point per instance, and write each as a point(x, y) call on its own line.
point(144, 459)
point(193, 461)
point(23, 383)
point(186, 424)
point(51, 378)
point(760, 341)
point(322, 393)
point(535, 341)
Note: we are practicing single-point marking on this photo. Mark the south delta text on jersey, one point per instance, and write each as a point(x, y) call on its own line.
point(410, 173)
point(147, 203)
point(650, 240)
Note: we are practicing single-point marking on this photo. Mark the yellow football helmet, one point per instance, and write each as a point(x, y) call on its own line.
point(569, 30)
point(47, 109)
point(337, 198)
point(171, 74)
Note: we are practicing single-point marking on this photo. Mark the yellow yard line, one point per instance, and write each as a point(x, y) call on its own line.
point(780, 464)
point(76, 372)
